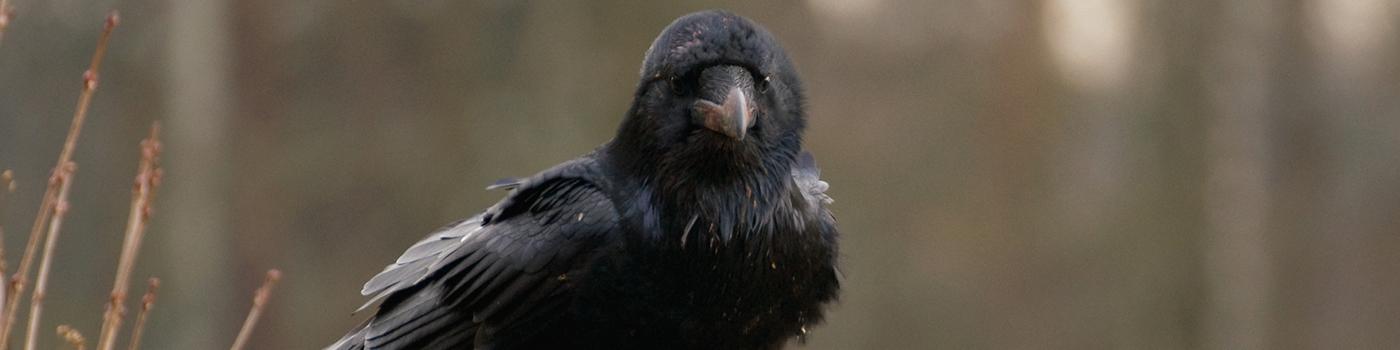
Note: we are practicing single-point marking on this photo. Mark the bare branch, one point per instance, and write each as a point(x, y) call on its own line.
point(50, 195)
point(6, 13)
point(72, 337)
point(147, 179)
point(36, 301)
point(7, 185)
point(259, 300)
point(148, 302)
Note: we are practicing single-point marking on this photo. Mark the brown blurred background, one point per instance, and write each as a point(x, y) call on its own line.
point(1071, 174)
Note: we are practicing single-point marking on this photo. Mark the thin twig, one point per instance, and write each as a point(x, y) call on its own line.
point(148, 302)
point(50, 195)
point(259, 300)
point(36, 300)
point(147, 179)
point(6, 13)
point(7, 185)
point(72, 336)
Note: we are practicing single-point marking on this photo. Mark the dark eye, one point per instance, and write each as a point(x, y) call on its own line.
point(678, 86)
point(763, 84)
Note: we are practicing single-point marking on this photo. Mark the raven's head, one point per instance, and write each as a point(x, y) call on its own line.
point(717, 96)
point(717, 117)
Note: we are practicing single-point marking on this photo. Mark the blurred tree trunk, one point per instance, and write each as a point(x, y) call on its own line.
point(197, 106)
point(1298, 186)
point(1157, 231)
point(1237, 266)
point(1344, 85)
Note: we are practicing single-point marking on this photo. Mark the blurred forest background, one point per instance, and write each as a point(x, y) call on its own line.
point(1063, 174)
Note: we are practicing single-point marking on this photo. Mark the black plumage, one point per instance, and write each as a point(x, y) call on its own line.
point(702, 225)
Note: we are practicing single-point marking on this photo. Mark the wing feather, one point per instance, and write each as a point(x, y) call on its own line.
point(491, 272)
point(808, 178)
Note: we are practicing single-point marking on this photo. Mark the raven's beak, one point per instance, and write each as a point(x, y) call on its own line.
point(732, 118)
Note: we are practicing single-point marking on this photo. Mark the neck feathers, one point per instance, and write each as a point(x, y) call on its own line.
point(711, 202)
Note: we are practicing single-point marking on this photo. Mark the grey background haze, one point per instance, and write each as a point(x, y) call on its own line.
point(1133, 174)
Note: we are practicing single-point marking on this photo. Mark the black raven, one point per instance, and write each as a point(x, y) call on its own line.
point(702, 225)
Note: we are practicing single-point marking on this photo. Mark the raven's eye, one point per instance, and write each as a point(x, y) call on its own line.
point(763, 84)
point(677, 86)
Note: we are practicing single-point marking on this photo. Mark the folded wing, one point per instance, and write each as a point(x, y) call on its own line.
point(494, 273)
